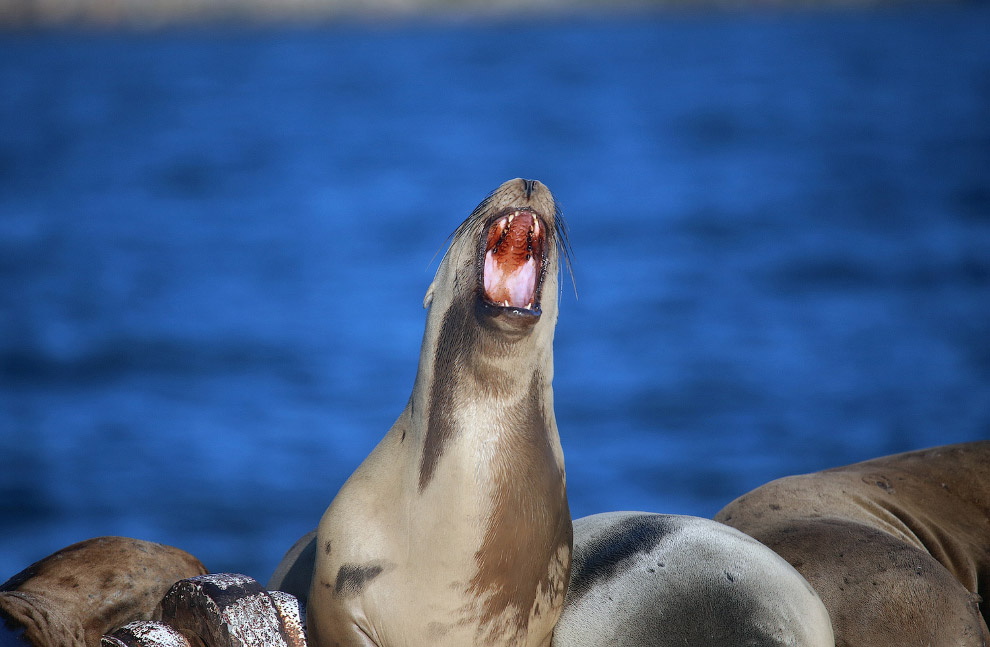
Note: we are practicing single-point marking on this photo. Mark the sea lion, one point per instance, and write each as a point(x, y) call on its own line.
point(294, 573)
point(455, 530)
point(897, 547)
point(656, 580)
point(74, 596)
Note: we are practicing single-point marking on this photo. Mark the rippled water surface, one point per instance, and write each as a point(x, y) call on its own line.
point(214, 246)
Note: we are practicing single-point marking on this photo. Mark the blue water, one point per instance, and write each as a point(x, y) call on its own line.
point(214, 245)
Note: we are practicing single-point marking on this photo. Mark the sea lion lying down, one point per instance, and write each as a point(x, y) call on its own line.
point(658, 580)
point(121, 592)
point(897, 547)
point(74, 596)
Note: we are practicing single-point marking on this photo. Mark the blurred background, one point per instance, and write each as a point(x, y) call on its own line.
point(217, 227)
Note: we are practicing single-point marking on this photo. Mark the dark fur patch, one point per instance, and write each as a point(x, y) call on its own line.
point(458, 333)
point(601, 559)
point(352, 578)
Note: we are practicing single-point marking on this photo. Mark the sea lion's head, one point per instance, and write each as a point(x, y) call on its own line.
point(504, 260)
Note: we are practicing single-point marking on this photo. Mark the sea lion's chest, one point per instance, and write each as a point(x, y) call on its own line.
point(466, 551)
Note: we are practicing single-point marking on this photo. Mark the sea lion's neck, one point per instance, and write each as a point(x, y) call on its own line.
point(477, 378)
point(487, 410)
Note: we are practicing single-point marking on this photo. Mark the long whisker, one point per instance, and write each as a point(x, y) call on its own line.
point(461, 230)
point(441, 249)
point(564, 245)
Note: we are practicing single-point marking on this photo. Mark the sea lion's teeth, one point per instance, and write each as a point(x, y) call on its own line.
point(536, 227)
point(511, 216)
point(504, 222)
point(506, 303)
point(529, 306)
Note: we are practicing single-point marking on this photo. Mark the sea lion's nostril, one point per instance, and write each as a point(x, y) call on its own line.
point(529, 186)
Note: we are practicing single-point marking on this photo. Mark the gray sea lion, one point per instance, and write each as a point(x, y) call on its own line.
point(74, 596)
point(897, 547)
point(455, 530)
point(294, 573)
point(657, 580)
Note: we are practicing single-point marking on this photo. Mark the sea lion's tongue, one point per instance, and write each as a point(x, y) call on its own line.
point(512, 255)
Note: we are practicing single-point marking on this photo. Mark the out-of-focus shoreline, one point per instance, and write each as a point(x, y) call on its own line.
point(160, 13)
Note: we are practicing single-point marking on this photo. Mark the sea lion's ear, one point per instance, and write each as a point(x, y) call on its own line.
point(428, 299)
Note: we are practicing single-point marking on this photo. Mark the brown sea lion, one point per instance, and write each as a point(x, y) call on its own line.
point(455, 530)
point(74, 596)
point(897, 547)
point(659, 580)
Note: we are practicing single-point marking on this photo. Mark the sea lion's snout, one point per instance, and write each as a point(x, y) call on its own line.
point(515, 261)
point(506, 256)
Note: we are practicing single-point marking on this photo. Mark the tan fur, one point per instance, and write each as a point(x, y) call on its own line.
point(455, 530)
point(898, 547)
point(74, 596)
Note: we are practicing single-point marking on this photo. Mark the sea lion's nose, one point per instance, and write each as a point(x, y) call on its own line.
point(528, 187)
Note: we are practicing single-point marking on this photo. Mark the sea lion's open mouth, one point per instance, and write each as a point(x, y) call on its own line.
point(515, 262)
